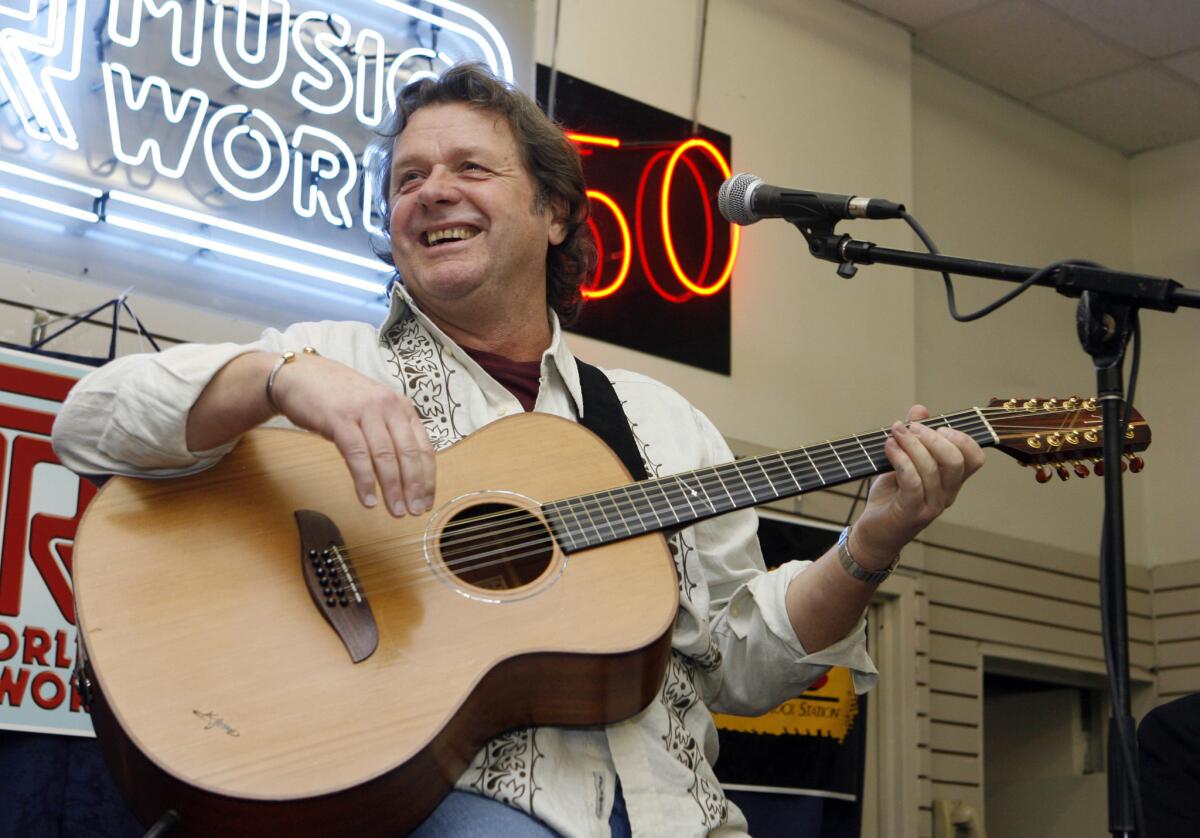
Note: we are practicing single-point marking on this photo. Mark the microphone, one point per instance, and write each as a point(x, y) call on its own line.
point(745, 199)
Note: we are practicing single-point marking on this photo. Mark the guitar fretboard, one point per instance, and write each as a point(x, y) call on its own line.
point(678, 500)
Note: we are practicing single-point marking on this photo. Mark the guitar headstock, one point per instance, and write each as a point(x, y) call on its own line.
point(1053, 435)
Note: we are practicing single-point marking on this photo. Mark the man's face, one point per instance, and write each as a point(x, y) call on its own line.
point(464, 225)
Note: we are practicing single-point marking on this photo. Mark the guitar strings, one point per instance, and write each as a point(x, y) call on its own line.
point(856, 455)
point(484, 523)
point(484, 526)
point(505, 557)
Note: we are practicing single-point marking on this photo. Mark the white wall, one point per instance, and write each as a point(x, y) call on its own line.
point(1166, 242)
point(993, 180)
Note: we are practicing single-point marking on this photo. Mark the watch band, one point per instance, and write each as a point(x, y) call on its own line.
point(873, 577)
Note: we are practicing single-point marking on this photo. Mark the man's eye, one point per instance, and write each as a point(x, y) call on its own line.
point(407, 179)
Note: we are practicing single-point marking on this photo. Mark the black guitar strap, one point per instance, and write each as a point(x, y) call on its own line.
point(604, 416)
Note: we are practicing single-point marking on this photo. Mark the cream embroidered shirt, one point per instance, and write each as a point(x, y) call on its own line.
point(733, 648)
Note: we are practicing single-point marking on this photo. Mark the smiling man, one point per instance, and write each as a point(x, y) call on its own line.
point(487, 229)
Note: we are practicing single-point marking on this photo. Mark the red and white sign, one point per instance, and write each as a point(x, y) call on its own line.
point(41, 502)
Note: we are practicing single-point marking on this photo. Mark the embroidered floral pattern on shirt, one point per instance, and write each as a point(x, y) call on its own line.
point(505, 769)
point(417, 361)
point(681, 548)
point(678, 697)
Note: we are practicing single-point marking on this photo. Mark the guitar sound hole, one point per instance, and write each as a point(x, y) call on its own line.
point(496, 546)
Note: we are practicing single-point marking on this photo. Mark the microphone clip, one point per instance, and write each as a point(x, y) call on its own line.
point(824, 243)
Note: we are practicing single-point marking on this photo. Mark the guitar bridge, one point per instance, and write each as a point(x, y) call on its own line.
point(334, 588)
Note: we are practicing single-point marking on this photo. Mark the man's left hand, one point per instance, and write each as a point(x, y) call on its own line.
point(930, 467)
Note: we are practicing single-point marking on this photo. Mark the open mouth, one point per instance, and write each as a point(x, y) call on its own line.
point(433, 238)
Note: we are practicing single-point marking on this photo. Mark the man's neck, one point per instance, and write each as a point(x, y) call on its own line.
point(518, 336)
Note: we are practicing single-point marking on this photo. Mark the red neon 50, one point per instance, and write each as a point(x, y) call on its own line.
point(710, 278)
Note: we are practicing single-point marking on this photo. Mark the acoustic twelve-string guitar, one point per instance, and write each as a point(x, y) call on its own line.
point(261, 653)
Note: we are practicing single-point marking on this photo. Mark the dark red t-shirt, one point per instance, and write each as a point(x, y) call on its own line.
point(521, 378)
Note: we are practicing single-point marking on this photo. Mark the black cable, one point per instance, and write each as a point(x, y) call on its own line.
point(1039, 275)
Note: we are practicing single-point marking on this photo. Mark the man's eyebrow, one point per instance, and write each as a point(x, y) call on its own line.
point(461, 152)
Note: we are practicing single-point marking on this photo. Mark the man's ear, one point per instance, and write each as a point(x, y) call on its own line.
point(558, 221)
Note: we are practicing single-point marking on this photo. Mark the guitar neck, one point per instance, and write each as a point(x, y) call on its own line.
point(678, 500)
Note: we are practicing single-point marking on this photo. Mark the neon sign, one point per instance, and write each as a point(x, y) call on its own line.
point(226, 128)
point(602, 285)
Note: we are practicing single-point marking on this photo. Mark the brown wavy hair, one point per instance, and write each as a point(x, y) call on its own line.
point(549, 157)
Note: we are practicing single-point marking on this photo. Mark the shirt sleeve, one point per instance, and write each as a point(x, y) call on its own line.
point(130, 416)
point(763, 663)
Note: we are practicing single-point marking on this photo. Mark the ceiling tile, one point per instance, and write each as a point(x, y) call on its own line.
point(1022, 48)
point(916, 15)
point(1155, 28)
point(1133, 111)
point(1187, 65)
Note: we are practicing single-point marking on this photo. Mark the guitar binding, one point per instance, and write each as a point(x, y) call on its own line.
point(333, 586)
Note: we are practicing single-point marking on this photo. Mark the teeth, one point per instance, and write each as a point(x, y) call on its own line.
point(449, 234)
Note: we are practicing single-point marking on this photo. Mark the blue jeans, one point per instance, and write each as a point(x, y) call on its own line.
point(466, 815)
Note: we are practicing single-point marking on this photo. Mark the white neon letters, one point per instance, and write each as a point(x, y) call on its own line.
point(139, 8)
point(271, 89)
point(174, 111)
point(269, 149)
point(260, 54)
point(318, 76)
point(35, 96)
point(323, 165)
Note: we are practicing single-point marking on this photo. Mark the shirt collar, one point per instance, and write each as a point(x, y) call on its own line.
point(557, 359)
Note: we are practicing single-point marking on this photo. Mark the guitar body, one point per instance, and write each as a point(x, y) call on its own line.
point(220, 690)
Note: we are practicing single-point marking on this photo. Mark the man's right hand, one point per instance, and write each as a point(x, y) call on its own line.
point(376, 429)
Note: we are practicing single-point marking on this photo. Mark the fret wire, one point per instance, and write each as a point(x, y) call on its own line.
point(865, 451)
point(578, 524)
point(707, 498)
point(732, 496)
point(646, 494)
point(600, 508)
point(554, 512)
point(820, 476)
point(637, 508)
point(839, 458)
point(663, 485)
point(791, 474)
point(806, 481)
point(738, 468)
point(692, 490)
point(595, 529)
point(636, 519)
point(616, 507)
point(683, 491)
point(716, 472)
point(770, 482)
point(757, 494)
point(720, 489)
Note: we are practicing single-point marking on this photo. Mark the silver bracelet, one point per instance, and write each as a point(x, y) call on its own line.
point(873, 577)
point(285, 358)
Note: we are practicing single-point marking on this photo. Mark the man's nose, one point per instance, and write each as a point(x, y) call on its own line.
point(438, 187)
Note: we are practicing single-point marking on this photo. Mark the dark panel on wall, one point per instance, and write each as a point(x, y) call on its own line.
point(652, 309)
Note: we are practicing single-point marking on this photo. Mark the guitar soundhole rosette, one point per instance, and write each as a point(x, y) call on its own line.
point(493, 546)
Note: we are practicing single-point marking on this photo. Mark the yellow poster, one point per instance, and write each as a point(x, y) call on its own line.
point(827, 708)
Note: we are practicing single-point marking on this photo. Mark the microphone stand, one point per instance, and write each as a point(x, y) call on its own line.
point(1108, 305)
